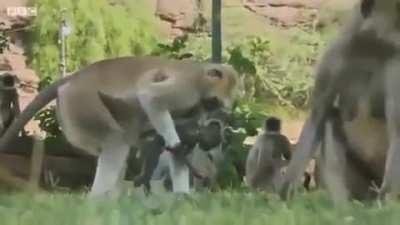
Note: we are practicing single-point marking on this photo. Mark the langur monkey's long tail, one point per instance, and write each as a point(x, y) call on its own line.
point(40, 101)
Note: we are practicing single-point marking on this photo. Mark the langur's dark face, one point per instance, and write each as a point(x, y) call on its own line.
point(8, 81)
point(372, 8)
point(381, 18)
point(210, 135)
point(367, 7)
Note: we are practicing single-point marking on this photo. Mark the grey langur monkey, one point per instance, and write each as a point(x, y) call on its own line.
point(358, 74)
point(9, 104)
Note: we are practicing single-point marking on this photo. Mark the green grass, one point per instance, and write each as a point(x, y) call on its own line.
point(220, 208)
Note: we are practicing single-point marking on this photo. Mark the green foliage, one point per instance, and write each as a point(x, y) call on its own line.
point(99, 31)
point(47, 117)
point(185, 46)
point(245, 120)
point(3, 41)
point(242, 64)
point(174, 49)
point(285, 80)
point(48, 121)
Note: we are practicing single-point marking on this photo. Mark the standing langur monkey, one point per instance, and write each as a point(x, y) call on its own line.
point(360, 72)
point(9, 105)
point(269, 154)
point(148, 89)
point(9, 109)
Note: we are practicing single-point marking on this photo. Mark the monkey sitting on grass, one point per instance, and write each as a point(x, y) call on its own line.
point(269, 154)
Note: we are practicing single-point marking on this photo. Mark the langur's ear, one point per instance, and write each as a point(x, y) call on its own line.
point(366, 7)
point(214, 73)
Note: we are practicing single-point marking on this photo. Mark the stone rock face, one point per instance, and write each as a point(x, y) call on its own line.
point(294, 12)
point(313, 4)
point(180, 15)
point(284, 12)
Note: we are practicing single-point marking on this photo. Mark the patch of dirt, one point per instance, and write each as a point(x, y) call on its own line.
point(292, 129)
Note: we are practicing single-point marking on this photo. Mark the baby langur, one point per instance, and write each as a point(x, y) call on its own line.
point(149, 90)
point(9, 105)
point(191, 131)
point(200, 160)
point(152, 146)
point(268, 155)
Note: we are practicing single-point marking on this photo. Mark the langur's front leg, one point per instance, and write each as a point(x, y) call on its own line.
point(297, 165)
point(179, 172)
point(162, 121)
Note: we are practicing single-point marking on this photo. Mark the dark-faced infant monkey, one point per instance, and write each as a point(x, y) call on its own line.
point(192, 131)
point(269, 154)
point(9, 105)
point(151, 90)
point(358, 74)
point(151, 146)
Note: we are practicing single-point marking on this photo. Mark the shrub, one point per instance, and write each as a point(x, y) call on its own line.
point(3, 41)
point(283, 79)
point(99, 30)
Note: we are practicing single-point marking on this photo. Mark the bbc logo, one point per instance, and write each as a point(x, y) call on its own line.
point(21, 11)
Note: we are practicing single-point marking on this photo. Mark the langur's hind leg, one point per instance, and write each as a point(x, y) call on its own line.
point(391, 179)
point(179, 172)
point(111, 166)
point(333, 157)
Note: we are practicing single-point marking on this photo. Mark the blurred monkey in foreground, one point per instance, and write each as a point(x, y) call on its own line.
point(358, 74)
